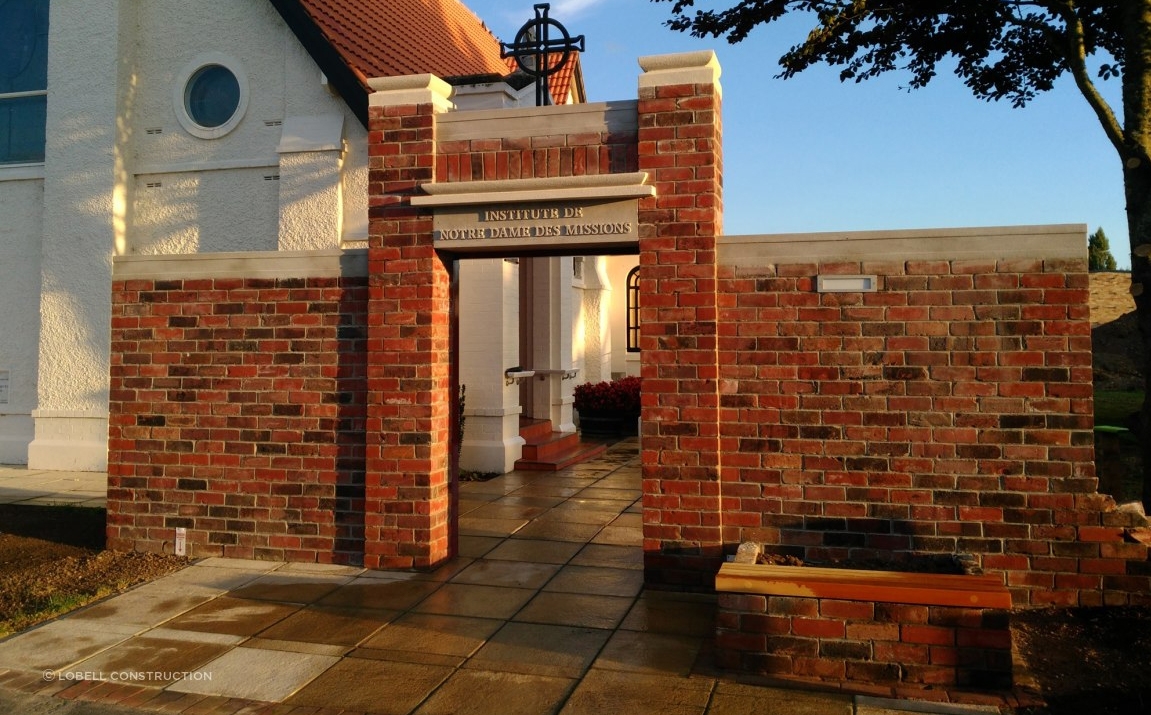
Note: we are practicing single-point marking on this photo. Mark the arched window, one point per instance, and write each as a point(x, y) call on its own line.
point(633, 310)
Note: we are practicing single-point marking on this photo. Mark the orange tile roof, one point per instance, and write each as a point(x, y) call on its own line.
point(353, 41)
point(388, 38)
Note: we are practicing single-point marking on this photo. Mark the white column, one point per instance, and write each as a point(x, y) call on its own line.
point(84, 213)
point(553, 313)
point(489, 345)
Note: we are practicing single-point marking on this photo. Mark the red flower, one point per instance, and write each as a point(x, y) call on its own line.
point(618, 396)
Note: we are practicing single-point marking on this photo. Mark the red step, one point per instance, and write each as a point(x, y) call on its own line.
point(548, 451)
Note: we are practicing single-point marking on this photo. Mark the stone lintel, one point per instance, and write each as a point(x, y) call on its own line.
point(551, 189)
point(326, 263)
point(1052, 242)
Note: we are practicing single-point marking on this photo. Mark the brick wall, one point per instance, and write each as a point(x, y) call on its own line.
point(949, 411)
point(237, 412)
point(409, 378)
point(680, 138)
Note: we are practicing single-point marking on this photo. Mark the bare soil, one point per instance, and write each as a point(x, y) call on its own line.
point(52, 559)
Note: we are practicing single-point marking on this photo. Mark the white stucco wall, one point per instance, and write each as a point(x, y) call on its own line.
point(20, 230)
point(223, 178)
point(83, 214)
point(122, 175)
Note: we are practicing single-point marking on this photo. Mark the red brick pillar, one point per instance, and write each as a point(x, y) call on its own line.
point(407, 486)
point(680, 147)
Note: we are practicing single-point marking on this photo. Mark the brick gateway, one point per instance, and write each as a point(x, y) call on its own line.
point(878, 394)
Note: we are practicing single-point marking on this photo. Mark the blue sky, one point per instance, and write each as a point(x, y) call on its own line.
point(813, 154)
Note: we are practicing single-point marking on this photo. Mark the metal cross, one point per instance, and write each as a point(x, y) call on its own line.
point(534, 47)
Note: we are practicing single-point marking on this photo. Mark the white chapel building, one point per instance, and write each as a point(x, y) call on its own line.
point(176, 127)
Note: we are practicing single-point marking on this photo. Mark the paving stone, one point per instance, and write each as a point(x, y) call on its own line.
point(290, 587)
point(408, 656)
point(535, 550)
point(598, 517)
point(638, 652)
point(384, 594)
point(199, 576)
point(330, 626)
point(463, 599)
point(681, 614)
point(155, 662)
point(232, 616)
point(371, 686)
point(612, 495)
point(619, 536)
point(297, 646)
point(474, 692)
point(498, 510)
point(173, 634)
point(60, 644)
point(546, 490)
point(535, 649)
point(573, 609)
point(243, 564)
point(597, 580)
point(536, 501)
point(622, 557)
point(558, 531)
point(256, 674)
point(144, 608)
point(585, 504)
point(472, 526)
point(519, 574)
point(741, 699)
point(602, 691)
point(478, 546)
point(437, 634)
point(323, 569)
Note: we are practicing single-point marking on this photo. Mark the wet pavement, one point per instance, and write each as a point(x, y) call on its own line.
point(543, 612)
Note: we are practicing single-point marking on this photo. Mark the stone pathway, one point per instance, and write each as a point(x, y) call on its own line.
point(37, 486)
point(543, 612)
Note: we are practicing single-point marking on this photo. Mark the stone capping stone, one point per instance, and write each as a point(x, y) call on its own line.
point(699, 67)
point(327, 263)
point(594, 118)
point(1050, 242)
point(410, 89)
point(560, 188)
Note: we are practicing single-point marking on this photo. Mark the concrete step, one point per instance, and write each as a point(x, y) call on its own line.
point(580, 452)
point(548, 451)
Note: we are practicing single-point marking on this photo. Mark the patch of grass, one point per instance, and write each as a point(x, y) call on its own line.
point(42, 609)
point(1113, 408)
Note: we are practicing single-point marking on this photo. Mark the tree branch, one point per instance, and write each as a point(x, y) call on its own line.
point(1073, 47)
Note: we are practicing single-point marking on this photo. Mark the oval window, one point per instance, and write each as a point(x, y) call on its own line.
point(212, 96)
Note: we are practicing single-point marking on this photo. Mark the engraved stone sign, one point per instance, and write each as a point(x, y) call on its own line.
point(603, 225)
